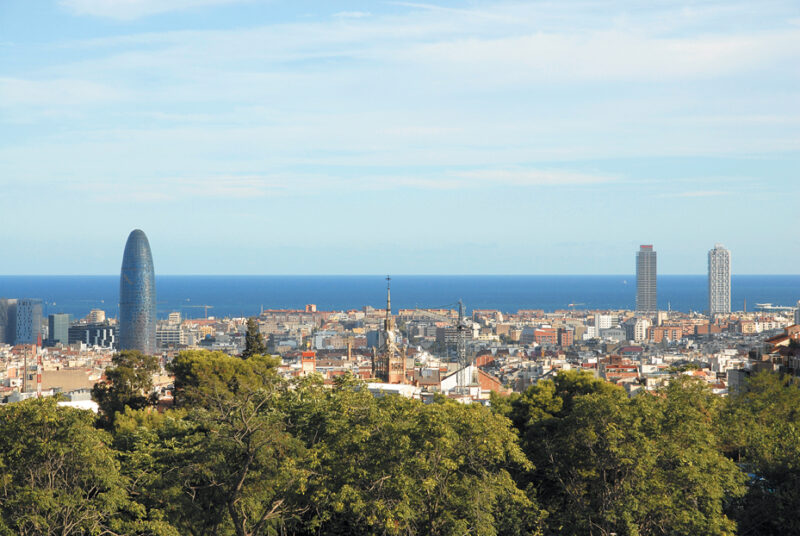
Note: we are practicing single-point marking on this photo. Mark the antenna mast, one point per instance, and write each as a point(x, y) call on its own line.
point(461, 348)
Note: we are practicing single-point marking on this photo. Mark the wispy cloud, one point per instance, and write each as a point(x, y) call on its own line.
point(351, 14)
point(56, 92)
point(534, 177)
point(698, 193)
point(486, 93)
point(134, 9)
point(249, 187)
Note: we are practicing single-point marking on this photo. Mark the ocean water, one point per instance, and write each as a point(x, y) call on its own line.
point(246, 295)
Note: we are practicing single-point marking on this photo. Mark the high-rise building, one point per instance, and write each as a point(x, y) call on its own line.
point(28, 321)
point(101, 334)
point(137, 296)
point(719, 280)
point(8, 317)
point(646, 280)
point(58, 328)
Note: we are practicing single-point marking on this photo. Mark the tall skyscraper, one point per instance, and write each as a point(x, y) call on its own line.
point(646, 280)
point(719, 280)
point(58, 328)
point(137, 296)
point(28, 321)
point(8, 320)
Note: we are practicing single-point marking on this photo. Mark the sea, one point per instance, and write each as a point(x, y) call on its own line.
point(234, 295)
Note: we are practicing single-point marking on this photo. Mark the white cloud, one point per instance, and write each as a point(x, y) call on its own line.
point(496, 87)
point(604, 56)
point(56, 92)
point(533, 177)
point(134, 9)
point(698, 193)
point(241, 187)
point(352, 14)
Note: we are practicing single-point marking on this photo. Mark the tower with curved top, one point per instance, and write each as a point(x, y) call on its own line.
point(137, 296)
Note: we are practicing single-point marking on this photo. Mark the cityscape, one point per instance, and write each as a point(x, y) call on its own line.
point(401, 268)
point(416, 352)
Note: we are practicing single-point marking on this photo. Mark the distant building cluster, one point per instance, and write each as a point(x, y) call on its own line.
point(419, 352)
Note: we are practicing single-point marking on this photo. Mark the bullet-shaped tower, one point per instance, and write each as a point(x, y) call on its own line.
point(137, 296)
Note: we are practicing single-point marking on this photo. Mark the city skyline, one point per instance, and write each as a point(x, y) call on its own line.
point(455, 137)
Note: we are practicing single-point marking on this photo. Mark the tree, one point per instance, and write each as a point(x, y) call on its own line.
point(760, 428)
point(397, 466)
point(253, 342)
point(129, 382)
point(607, 464)
point(227, 463)
point(208, 379)
point(58, 475)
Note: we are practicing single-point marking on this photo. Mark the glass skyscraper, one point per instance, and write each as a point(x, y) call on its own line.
point(719, 280)
point(28, 321)
point(646, 280)
point(137, 296)
point(8, 320)
point(58, 328)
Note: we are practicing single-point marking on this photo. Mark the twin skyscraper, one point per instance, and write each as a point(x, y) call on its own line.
point(719, 280)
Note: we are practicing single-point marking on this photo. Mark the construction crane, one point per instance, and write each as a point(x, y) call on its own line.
point(206, 307)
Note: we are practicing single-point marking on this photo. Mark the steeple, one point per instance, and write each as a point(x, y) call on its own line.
point(388, 296)
point(389, 322)
point(388, 363)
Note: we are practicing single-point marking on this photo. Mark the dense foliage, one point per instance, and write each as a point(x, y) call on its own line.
point(245, 452)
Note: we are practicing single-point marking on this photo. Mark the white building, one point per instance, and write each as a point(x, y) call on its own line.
point(605, 321)
point(719, 280)
point(640, 329)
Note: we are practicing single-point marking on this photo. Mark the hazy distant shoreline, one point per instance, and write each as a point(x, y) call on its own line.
point(245, 295)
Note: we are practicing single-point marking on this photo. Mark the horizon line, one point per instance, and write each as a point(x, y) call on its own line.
point(633, 275)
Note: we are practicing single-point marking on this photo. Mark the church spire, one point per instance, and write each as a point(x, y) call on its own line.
point(388, 296)
point(388, 324)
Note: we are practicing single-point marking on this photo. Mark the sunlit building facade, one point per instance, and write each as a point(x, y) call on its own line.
point(137, 296)
point(719, 280)
point(646, 280)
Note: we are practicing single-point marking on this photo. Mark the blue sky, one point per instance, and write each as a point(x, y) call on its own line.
point(279, 137)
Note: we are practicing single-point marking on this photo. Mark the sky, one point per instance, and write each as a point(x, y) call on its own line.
point(369, 137)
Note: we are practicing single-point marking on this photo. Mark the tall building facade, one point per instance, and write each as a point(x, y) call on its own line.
point(646, 280)
point(58, 328)
point(103, 335)
point(719, 280)
point(8, 317)
point(137, 296)
point(28, 321)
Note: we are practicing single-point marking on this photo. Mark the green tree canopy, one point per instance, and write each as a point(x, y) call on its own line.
point(760, 429)
point(129, 382)
point(58, 475)
point(223, 463)
point(397, 466)
point(254, 341)
point(206, 378)
point(605, 463)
